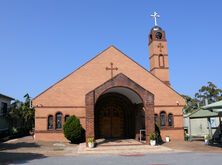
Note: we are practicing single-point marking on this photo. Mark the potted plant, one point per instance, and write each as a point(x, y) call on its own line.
point(186, 136)
point(206, 139)
point(152, 139)
point(167, 138)
point(91, 143)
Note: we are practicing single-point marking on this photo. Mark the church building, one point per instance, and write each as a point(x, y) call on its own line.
point(114, 97)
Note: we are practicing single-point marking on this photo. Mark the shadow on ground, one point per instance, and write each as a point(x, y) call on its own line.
point(9, 154)
point(18, 158)
point(219, 145)
point(12, 146)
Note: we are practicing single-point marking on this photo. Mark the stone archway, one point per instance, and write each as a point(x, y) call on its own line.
point(119, 80)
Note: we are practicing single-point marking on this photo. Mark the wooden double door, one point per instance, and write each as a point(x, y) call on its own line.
point(111, 121)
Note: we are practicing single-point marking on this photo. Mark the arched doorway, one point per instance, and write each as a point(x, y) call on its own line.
point(113, 86)
point(114, 116)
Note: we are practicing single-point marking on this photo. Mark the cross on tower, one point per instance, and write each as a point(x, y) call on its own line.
point(111, 69)
point(160, 46)
point(155, 15)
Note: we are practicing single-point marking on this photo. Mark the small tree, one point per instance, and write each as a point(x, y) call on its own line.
point(210, 92)
point(191, 104)
point(21, 115)
point(73, 130)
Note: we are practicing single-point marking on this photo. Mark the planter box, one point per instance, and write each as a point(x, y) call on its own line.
point(167, 139)
point(91, 145)
point(152, 142)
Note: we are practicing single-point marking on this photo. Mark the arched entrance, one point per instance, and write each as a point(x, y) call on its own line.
point(123, 86)
point(114, 116)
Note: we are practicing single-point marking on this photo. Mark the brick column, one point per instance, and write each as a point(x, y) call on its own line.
point(90, 116)
point(149, 120)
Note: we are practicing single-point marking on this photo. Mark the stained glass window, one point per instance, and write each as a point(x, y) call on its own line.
point(59, 120)
point(170, 120)
point(50, 122)
point(163, 119)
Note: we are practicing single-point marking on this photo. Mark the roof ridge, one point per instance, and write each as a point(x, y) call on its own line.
point(111, 46)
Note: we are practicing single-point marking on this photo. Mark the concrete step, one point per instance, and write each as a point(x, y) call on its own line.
point(130, 149)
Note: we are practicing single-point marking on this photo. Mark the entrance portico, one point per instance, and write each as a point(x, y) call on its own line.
point(119, 108)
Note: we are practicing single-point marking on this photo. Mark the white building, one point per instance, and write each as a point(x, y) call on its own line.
point(200, 123)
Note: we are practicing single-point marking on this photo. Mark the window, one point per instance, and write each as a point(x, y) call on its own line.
point(66, 117)
point(58, 120)
point(151, 37)
point(170, 120)
point(156, 119)
point(50, 122)
point(163, 119)
point(161, 60)
point(3, 109)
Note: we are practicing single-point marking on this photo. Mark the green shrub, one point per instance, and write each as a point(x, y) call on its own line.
point(73, 130)
point(152, 136)
point(158, 135)
point(90, 140)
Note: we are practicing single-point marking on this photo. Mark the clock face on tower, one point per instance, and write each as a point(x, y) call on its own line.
point(158, 35)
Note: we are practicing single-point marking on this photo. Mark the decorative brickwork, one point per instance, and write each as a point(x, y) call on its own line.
point(120, 81)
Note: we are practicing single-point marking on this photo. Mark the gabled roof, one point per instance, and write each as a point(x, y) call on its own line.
point(215, 105)
point(10, 98)
point(99, 55)
point(200, 113)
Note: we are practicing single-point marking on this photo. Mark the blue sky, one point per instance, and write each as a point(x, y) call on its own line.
point(43, 41)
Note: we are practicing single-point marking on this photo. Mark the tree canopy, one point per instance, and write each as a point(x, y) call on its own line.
point(210, 92)
point(21, 115)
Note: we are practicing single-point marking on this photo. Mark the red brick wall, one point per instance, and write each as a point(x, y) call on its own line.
point(174, 134)
point(120, 81)
point(68, 95)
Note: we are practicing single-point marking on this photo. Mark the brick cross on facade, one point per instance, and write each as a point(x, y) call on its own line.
point(160, 46)
point(111, 69)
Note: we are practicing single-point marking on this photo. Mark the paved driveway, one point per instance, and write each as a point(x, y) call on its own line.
point(27, 151)
point(148, 159)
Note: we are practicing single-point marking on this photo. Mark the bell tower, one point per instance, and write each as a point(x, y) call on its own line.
point(158, 52)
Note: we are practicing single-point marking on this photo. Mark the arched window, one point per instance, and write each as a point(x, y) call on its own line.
point(66, 117)
point(58, 120)
point(50, 122)
point(156, 119)
point(170, 120)
point(151, 37)
point(161, 60)
point(163, 119)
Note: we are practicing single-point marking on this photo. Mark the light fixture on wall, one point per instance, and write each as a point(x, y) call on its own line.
point(39, 105)
point(178, 103)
